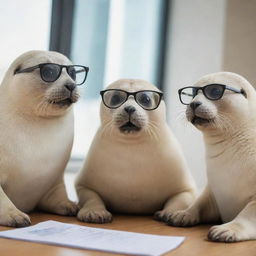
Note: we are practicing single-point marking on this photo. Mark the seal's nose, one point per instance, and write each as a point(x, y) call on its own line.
point(130, 109)
point(195, 104)
point(70, 86)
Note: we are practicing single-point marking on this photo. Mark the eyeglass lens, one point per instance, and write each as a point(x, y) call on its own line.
point(114, 99)
point(77, 73)
point(146, 99)
point(187, 95)
point(212, 92)
point(51, 72)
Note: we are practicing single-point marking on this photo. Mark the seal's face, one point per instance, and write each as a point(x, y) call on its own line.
point(32, 94)
point(202, 112)
point(130, 117)
point(225, 113)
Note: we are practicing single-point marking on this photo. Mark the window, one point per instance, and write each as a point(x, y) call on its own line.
point(24, 26)
point(116, 39)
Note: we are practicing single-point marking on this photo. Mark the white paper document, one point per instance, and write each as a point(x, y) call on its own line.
point(76, 236)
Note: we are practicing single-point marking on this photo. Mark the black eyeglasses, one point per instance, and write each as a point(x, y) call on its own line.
point(50, 72)
point(210, 91)
point(147, 99)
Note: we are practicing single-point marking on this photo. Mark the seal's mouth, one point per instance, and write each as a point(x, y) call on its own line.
point(196, 120)
point(129, 127)
point(63, 103)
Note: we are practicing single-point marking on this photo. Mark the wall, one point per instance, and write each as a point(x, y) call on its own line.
point(240, 39)
point(195, 48)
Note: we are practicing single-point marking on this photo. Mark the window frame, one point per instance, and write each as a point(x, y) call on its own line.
point(61, 26)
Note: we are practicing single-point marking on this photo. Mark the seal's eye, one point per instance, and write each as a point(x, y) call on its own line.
point(214, 91)
point(144, 99)
point(50, 72)
point(116, 99)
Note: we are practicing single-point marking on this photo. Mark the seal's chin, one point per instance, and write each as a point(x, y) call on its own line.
point(129, 127)
point(199, 121)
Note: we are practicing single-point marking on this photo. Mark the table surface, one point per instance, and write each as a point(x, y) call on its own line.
point(195, 243)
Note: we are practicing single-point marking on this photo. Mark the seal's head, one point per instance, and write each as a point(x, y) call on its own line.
point(29, 93)
point(132, 106)
point(221, 101)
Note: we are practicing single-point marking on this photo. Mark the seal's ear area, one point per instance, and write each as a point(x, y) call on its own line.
point(16, 70)
point(244, 93)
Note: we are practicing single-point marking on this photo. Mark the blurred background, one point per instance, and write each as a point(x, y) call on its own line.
point(170, 43)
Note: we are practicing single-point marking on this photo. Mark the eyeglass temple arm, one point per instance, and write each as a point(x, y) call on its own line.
point(235, 90)
point(83, 69)
point(26, 69)
point(80, 71)
point(187, 94)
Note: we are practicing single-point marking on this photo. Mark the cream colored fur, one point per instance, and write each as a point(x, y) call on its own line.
point(35, 141)
point(230, 141)
point(142, 172)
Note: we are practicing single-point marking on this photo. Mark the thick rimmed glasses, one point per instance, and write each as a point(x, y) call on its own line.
point(147, 99)
point(50, 72)
point(210, 91)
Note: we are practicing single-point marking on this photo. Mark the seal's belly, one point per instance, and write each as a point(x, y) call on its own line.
point(232, 190)
point(136, 179)
point(27, 193)
point(229, 203)
point(33, 155)
point(29, 176)
point(135, 202)
point(135, 195)
point(26, 186)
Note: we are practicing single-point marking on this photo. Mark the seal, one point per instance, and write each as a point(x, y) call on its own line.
point(222, 106)
point(135, 164)
point(36, 122)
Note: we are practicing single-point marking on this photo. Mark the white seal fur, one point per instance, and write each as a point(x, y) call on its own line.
point(230, 141)
point(36, 138)
point(138, 172)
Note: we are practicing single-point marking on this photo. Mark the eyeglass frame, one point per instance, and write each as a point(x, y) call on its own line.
point(225, 87)
point(30, 69)
point(128, 94)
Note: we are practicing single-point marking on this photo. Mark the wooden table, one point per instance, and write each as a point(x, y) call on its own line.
point(195, 244)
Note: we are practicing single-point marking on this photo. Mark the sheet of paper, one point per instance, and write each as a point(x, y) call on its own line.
point(58, 233)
